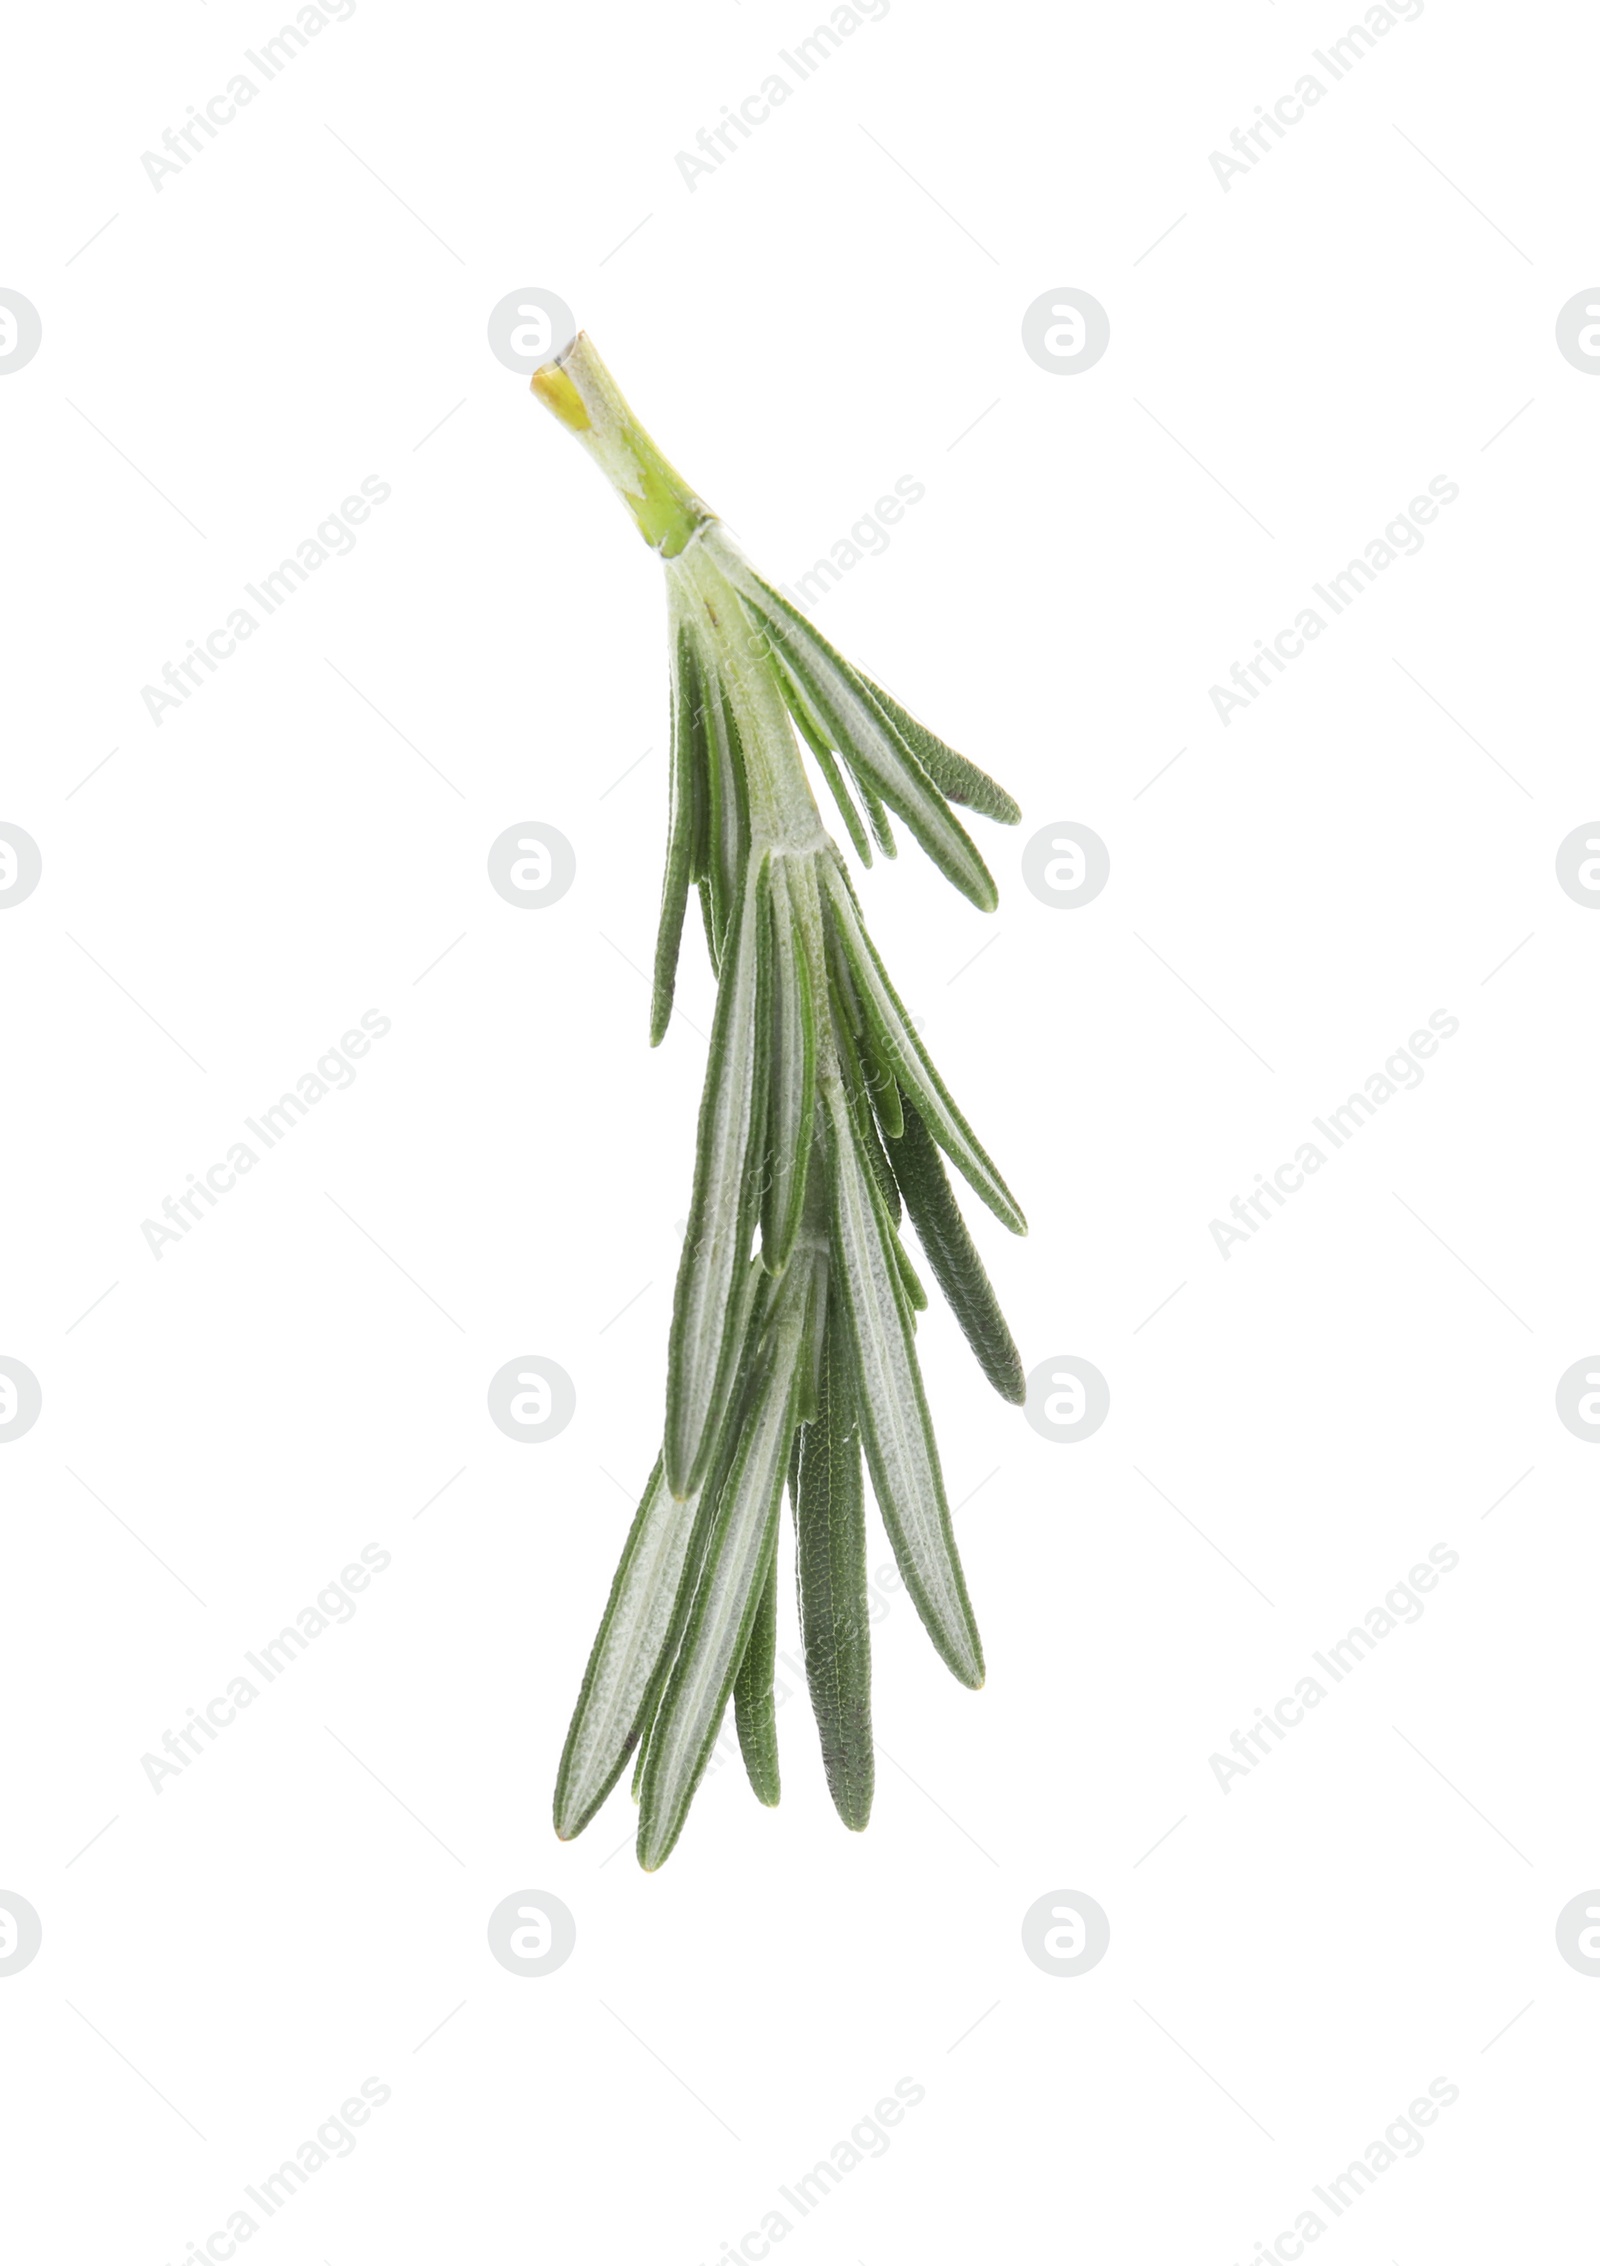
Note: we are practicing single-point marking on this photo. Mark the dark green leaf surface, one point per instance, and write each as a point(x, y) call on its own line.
point(904, 1052)
point(684, 829)
point(961, 781)
point(831, 1577)
point(895, 1425)
point(755, 1714)
point(703, 1347)
point(628, 1650)
point(737, 1558)
point(792, 1107)
point(953, 1256)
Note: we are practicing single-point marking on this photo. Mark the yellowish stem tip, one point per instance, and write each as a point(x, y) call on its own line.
point(559, 395)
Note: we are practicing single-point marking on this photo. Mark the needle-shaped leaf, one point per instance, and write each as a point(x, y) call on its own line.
point(953, 1256)
point(808, 1385)
point(755, 1712)
point(895, 1424)
point(910, 1280)
point(866, 1124)
point(883, 1087)
point(792, 1106)
point(738, 1556)
point(850, 718)
point(727, 804)
point(957, 779)
point(831, 1576)
point(685, 826)
point(810, 732)
point(905, 1053)
point(749, 1320)
point(878, 818)
point(617, 1685)
point(704, 1345)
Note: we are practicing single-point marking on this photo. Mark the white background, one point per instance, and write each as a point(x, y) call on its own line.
point(840, 304)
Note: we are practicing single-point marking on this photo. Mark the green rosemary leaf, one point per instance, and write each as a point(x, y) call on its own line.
point(703, 1347)
point(689, 717)
point(881, 765)
point(754, 1709)
point(858, 728)
point(792, 1108)
point(882, 832)
point(907, 1056)
point(749, 1325)
point(708, 915)
point(727, 814)
point(831, 1576)
point(953, 1256)
point(808, 1387)
point(735, 842)
point(795, 701)
point(619, 1683)
point(652, 1709)
point(683, 829)
point(910, 1279)
point(883, 1088)
point(957, 779)
point(866, 1125)
point(738, 1556)
point(895, 1425)
point(885, 1188)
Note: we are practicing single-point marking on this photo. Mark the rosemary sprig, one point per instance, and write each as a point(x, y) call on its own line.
point(821, 1112)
